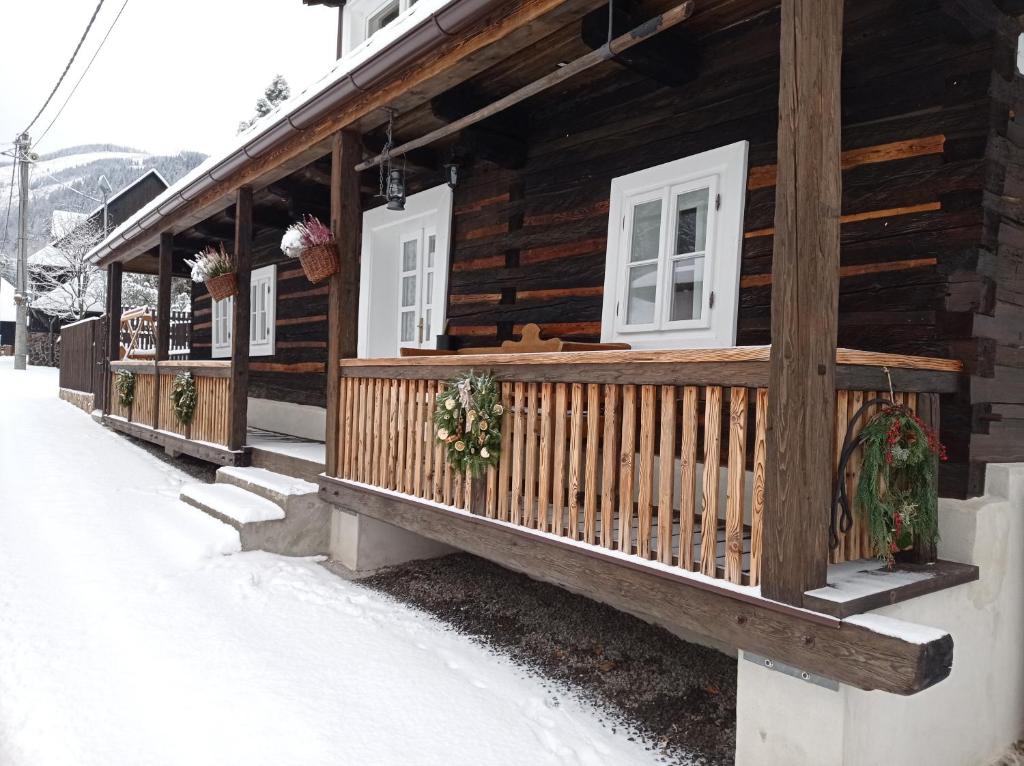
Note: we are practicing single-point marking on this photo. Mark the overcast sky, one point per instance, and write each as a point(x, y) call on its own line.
point(172, 76)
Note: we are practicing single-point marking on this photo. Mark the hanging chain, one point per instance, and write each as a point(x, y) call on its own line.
point(385, 160)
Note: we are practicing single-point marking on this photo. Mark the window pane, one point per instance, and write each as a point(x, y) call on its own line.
point(691, 221)
point(408, 325)
point(431, 249)
point(687, 289)
point(646, 231)
point(408, 291)
point(429, 292)
point(382, 18)
point(643, 289)
point(409, 255)
point(427, 336)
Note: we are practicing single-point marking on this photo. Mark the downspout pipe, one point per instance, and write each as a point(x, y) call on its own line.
point(446, 22)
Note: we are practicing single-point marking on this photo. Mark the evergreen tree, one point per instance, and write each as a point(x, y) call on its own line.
point(277, 92)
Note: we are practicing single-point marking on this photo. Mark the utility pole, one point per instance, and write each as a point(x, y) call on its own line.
point(21, 289)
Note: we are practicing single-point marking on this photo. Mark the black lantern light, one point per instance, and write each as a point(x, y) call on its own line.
point(451, 174)
point(392, 182)
point(396, 190)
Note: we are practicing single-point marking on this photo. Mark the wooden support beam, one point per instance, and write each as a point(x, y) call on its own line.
point(343, 300)
point(239, 390)
point(805, 288)
point(113, 323)
point(666, 20)
point(843, 650)
point(163, 296)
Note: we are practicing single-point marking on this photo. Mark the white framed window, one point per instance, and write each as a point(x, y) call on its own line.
point(675, 235)
point(364, 18)
point(262, 316)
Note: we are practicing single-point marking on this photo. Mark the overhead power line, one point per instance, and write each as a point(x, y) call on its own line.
point(66, 68)
point(84, 73)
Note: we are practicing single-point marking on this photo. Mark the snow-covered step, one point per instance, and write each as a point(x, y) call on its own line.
point(271, 511)
point(276, 487)
point(232, 505)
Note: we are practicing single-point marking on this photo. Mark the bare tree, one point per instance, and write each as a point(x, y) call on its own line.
point(67, 285)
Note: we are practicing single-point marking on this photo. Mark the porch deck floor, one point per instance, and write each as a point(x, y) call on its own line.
point(289, 455)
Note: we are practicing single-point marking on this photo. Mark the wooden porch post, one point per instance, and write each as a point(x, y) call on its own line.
point(805, 289)
point(239, 390)
point(163, 297)
point(113, 325)
point(343, 301)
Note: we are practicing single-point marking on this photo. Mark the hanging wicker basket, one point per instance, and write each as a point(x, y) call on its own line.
point(223, 286)
point(319, 262)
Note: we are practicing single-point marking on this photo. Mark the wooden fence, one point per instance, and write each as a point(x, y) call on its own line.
point(82, 359)
point(670, 472)
point(152, 406)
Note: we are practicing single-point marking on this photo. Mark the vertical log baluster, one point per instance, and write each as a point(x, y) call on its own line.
point(609, 467)
point(666, 472)
point(709, 496)
point(736, 484)
point(626, 467)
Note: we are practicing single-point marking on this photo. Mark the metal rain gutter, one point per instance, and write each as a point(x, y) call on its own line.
point(443, 23)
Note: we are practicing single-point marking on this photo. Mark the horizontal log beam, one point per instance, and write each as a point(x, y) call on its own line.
point(844, 651)
point(645, 31)
point(175, 443)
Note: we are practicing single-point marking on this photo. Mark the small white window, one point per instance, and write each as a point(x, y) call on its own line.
point(675, 235)
point(382, 18)
point(262, 316)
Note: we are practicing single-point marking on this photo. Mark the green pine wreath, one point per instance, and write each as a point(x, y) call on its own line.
point(467, 418)
point(897, 489)
point(125, 382)
point(183, 397)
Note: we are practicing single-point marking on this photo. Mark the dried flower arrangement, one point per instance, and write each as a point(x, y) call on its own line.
point(215, 266)
point(312, 243)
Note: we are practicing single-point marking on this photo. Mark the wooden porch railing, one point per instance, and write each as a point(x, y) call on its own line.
point(152, 404)
point(669, 466)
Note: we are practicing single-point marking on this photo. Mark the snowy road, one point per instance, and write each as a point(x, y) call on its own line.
point(127, 638)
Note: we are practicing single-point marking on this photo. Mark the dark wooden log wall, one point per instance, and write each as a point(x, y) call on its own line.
point(529, 243)
point(295, 373)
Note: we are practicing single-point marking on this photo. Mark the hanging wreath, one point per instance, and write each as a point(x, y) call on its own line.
point(125, 382)
point(897, 487)
point(183, 397)
point(467, 419)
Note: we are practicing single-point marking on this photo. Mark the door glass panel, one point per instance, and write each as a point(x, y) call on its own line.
point(429, 295)
point(691, 221)
point(643, 288)
point(427, 336)
point(408, 326)
point(687, 289)
point(408, 291)
point(409, 255)
point(431, 249)
point(646, 231)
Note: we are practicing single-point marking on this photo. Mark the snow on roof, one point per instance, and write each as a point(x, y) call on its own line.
point(61, 298)
point(47, 256)
point(8, 311)
point(368, 49)
point(63, 221)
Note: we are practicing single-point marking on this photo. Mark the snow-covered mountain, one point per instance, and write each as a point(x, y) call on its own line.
point(67, 180)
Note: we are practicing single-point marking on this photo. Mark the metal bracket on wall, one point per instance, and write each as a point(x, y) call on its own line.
point(790, 670)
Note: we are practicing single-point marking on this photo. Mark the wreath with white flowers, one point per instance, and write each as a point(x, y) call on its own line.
point(183, 397)
point(467, 418)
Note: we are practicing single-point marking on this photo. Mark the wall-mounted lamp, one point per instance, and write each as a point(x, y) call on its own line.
point(451, 174)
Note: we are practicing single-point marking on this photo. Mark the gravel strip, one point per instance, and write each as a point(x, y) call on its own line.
point(681, 697)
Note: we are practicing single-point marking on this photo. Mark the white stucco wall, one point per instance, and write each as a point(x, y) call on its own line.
point(968, 719)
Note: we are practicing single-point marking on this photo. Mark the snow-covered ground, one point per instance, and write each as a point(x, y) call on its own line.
point(127, 637)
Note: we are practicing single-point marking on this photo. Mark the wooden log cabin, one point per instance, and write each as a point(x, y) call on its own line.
point(778, 212)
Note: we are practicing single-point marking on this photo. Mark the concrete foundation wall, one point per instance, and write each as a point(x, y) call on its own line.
point(362, 544)
point(970, 718)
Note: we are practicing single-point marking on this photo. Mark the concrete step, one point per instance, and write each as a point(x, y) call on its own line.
point(276, 487)
point(230, 504)
point(271, 511)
